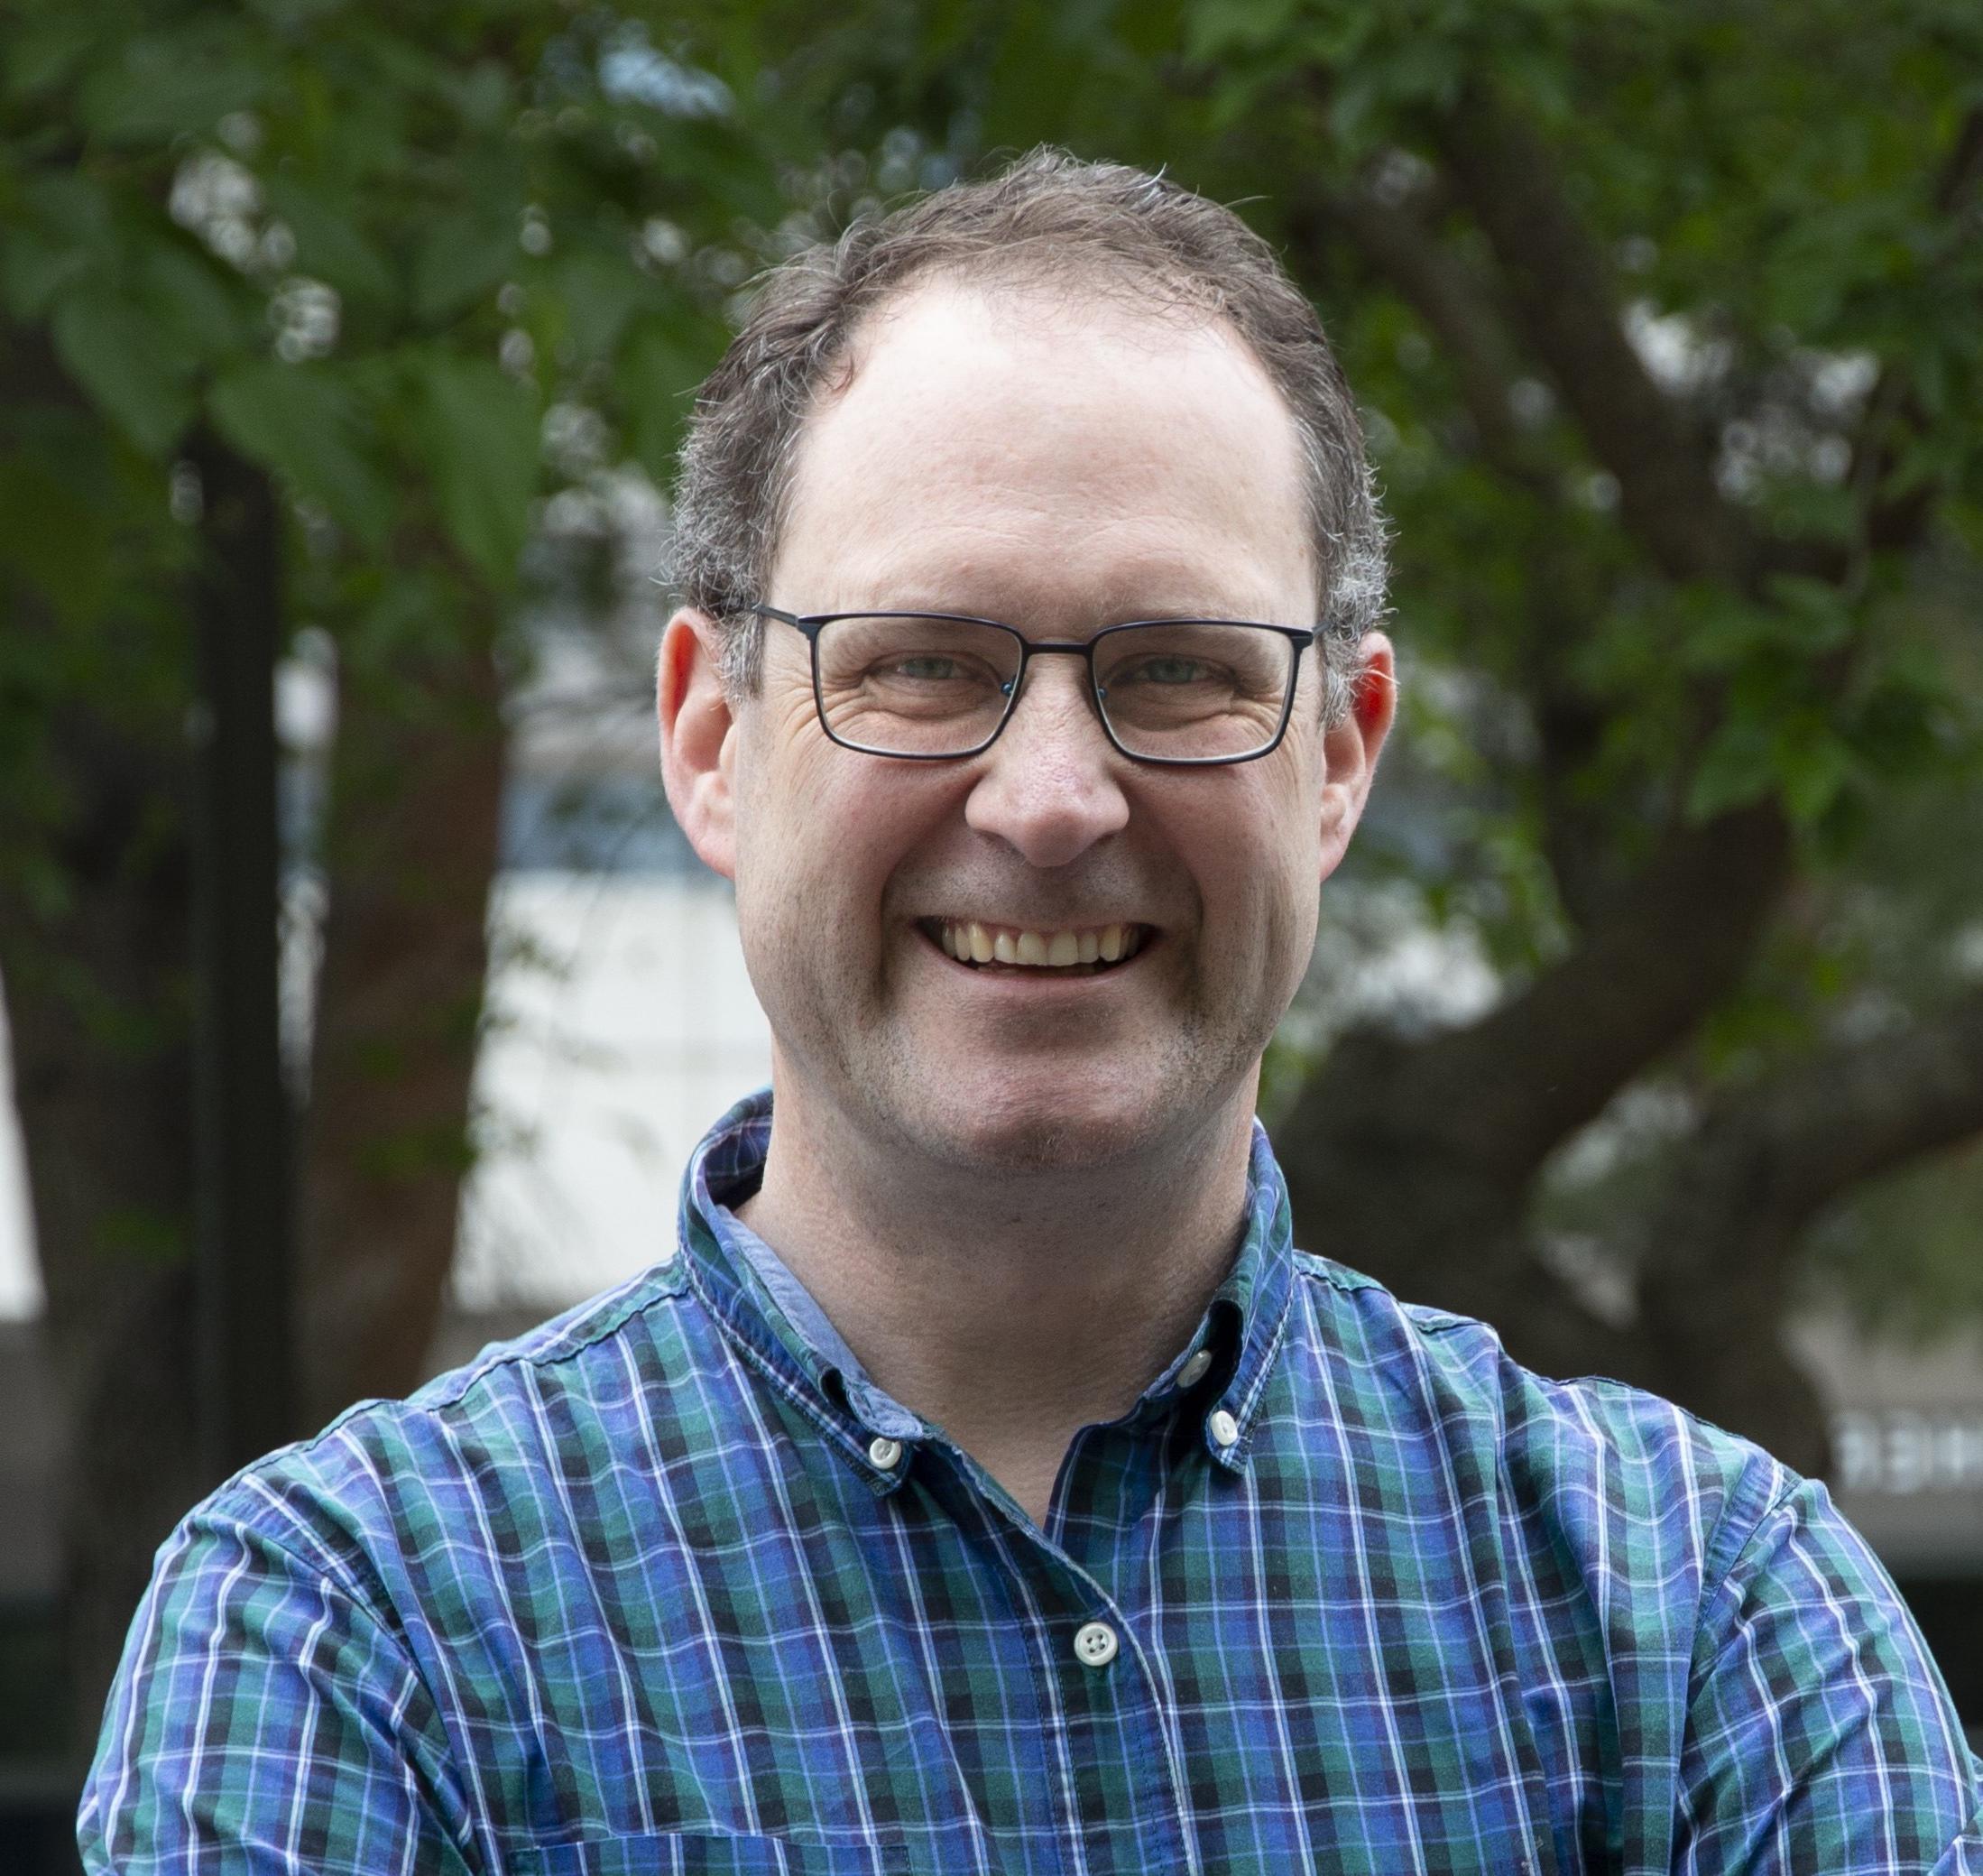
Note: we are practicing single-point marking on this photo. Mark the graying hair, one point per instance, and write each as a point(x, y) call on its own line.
point(1048, 220)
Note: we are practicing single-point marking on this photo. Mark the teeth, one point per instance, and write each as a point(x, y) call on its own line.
point(970, 942)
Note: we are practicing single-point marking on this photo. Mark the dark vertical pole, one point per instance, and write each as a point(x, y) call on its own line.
point(246, 1282)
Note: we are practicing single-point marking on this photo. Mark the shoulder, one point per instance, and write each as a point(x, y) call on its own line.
point(1586, 1465)
point(354, 1592)
point(1727, 1614)
point(479, 1459)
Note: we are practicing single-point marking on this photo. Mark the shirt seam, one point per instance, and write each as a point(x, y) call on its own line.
point(1347, 1282)
point(1716, 1583)
point(445, 1406)
point(1729, 1537)
point(552, 1357)
point(326, 1567)
point(412, 1409)
point(296, 1544)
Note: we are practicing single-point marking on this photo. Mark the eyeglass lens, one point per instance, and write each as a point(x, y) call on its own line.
point(1183, 691)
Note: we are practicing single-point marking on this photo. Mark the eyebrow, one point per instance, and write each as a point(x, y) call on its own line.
point(1113, 610)
point(989, 587)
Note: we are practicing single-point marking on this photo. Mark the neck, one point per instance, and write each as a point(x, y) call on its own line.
point(1012, 1308)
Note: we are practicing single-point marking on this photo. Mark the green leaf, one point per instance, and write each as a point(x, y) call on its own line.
point(47, 53)
point(600, 293)
point(483, 95)
point(34, 270)
point(300, 422)
point(77, 211)
point(1213, 29)
point(1824, 616)
point(1813, 765)
point(53, 536)
point(460, 261)
point(197, 302)
point(161, 89)
point(1739, 767)
point(477, 428)
point(660, 364)
point(122, 362)
point(331, 244)
point(66, 232)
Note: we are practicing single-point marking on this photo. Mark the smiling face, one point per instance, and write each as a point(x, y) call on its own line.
point(1045, 954)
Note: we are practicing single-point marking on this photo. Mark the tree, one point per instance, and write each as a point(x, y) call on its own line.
point(1670, 396)
point(392, 282)
point(1668, 321)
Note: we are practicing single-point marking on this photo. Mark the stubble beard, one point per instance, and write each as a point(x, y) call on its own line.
point(907, 1096)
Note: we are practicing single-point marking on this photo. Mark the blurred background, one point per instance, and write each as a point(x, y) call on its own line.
point(361, 1002)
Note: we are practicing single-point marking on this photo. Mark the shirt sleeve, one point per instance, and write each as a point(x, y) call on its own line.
point(265, 1719)
point(1819, 1735)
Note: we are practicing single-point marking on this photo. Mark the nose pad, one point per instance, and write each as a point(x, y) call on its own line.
point(1028, 685)
point(1027, 677)
point(1049, 789)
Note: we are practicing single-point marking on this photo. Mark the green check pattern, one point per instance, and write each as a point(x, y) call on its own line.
point(632, 1595)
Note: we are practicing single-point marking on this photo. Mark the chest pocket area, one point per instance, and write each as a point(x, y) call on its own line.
point(689, 1853)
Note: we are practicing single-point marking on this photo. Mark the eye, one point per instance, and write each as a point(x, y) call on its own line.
point(932, 666)
point(1166, 670)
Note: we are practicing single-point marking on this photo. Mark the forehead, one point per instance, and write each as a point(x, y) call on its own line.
point(1017, 453)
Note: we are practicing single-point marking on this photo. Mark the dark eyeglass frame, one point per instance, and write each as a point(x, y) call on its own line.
point(811, 624)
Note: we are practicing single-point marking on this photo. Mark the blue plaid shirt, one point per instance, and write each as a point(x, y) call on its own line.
point(670, 1586)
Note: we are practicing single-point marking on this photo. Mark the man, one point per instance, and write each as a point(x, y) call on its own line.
point(986, 1484)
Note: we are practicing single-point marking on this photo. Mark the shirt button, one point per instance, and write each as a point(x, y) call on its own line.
point(1223, 1428)
point(1094, 1644)
point(1195, 1370)
point(885, 1452)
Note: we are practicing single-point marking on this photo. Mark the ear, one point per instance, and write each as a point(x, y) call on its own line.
point(1351, 748)
point(698, 739)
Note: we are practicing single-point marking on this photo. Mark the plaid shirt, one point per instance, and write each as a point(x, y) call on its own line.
point(670, 1585)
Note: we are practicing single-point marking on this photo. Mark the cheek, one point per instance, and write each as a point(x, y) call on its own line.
point(1261, 850)
point(783, 770)
point(820, 832)
point(1265, 875)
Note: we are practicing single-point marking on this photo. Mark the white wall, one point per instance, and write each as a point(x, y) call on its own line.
point(20, 1280)
point(624, 1025)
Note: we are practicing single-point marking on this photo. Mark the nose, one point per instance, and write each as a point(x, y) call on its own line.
point(1051, 784)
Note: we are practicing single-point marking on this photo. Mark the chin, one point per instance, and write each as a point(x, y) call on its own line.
point(1037, 1126)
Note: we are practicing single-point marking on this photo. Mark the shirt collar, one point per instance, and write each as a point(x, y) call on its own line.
point(765, 1309)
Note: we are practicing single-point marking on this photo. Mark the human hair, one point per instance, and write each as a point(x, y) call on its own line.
point(1048, 220)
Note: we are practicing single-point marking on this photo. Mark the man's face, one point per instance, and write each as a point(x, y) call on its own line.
point(1061, 470)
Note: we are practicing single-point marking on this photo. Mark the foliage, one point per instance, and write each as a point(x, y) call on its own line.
point(370, 260)
point(439, 277)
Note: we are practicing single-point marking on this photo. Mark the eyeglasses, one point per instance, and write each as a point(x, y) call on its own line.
point(933, 687)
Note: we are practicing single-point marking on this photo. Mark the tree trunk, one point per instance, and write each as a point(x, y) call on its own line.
point(98, 998)
point(414, 804)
